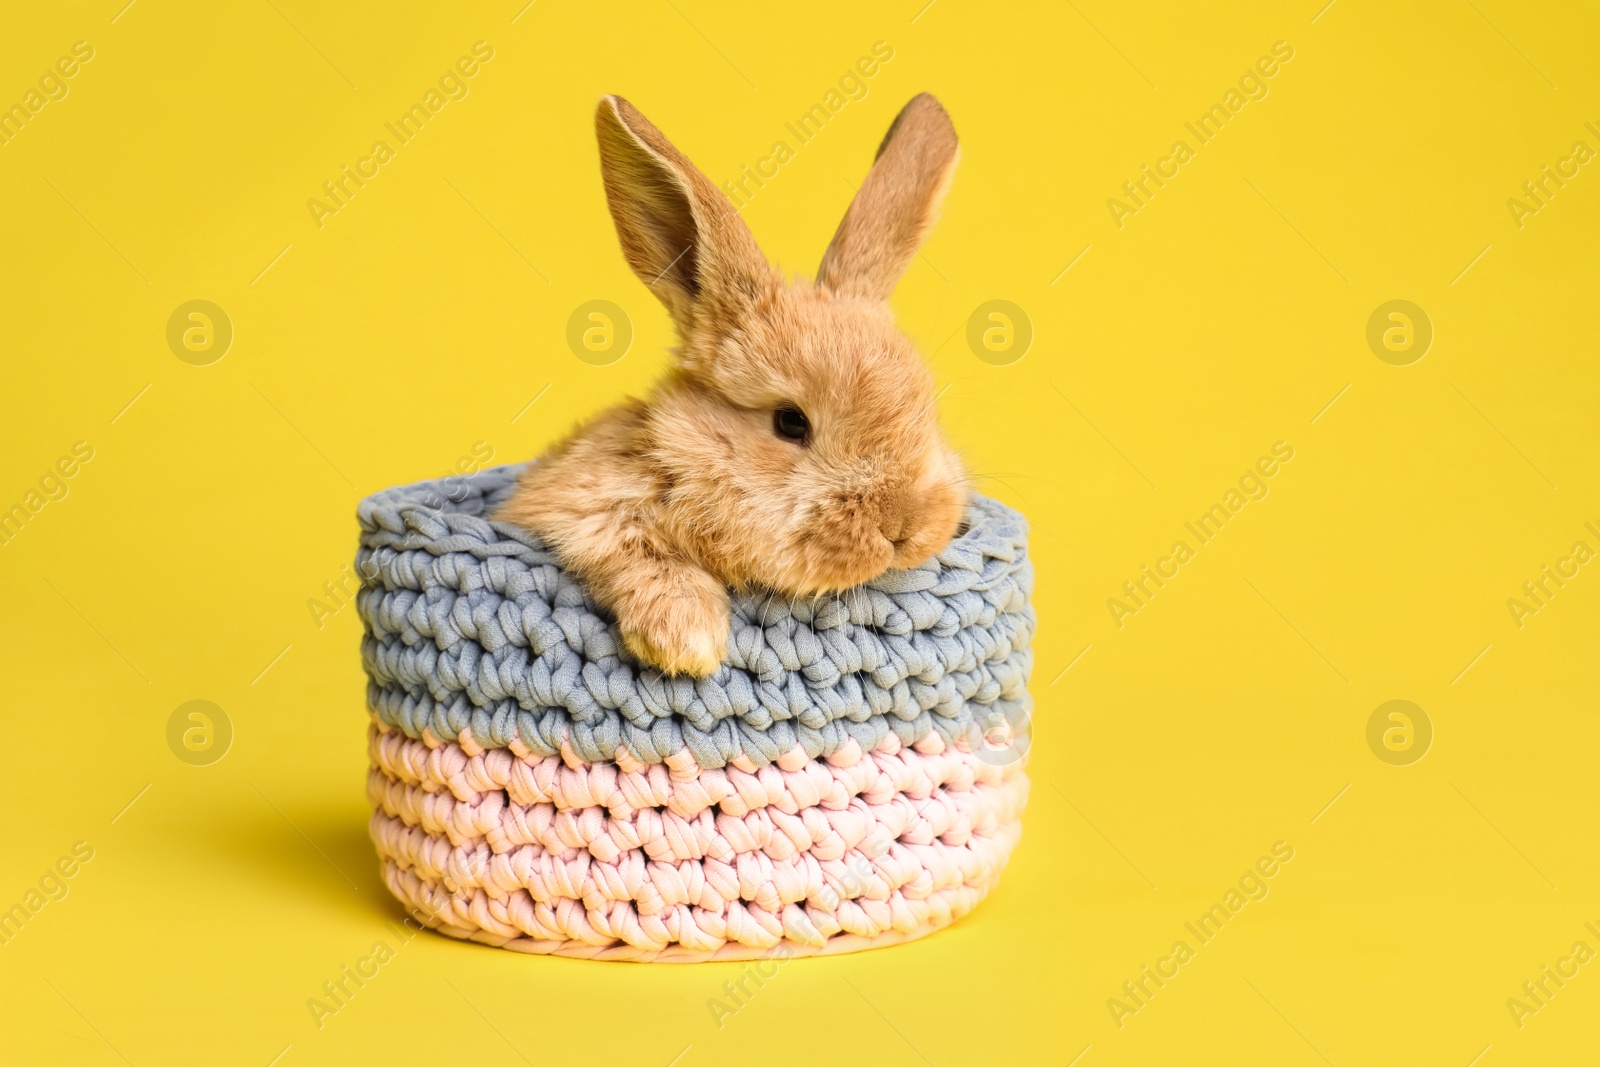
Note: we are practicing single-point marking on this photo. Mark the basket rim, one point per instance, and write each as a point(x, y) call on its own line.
point(465, 618)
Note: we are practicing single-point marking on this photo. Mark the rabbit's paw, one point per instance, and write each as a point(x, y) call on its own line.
point(681, 628)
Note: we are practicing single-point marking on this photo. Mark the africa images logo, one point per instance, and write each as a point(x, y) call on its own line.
point(1252, 887)
point(1252, 85)
point(452, 85)
point(1253, 485)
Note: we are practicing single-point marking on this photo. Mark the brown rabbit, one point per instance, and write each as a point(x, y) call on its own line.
point(793, 445)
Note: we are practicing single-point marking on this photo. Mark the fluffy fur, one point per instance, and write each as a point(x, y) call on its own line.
point(660, 505)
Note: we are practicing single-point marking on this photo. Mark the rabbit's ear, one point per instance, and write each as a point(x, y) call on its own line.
point(896, 205)
point(680, 234)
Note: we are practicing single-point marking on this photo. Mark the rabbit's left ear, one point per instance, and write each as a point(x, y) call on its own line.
point(896, 205)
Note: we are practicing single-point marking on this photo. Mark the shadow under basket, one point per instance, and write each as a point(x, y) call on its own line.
point(851, 777)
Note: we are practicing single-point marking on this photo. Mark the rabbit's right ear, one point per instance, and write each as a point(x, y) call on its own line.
point(680, 234)
point(897, 204)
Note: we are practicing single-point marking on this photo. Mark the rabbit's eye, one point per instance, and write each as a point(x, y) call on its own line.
point(791, 424)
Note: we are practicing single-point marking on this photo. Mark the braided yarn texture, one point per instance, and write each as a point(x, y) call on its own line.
point(832, 787)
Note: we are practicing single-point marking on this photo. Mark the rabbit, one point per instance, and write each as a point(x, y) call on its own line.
point(793, 444)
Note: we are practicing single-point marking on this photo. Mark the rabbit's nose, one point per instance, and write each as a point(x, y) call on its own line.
point(893, 521)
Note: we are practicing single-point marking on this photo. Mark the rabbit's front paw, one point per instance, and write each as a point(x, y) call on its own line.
point(681, 628)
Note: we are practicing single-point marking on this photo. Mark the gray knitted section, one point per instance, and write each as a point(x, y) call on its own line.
point(474, 623)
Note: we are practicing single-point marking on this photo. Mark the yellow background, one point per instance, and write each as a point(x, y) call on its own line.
point(1223, 317)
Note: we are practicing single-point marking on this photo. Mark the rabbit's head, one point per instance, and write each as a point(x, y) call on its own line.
point(796, 440)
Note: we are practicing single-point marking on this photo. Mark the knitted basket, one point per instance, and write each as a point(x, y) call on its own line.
point(851, 777)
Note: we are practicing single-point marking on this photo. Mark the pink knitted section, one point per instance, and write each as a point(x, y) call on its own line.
point(622, 860)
